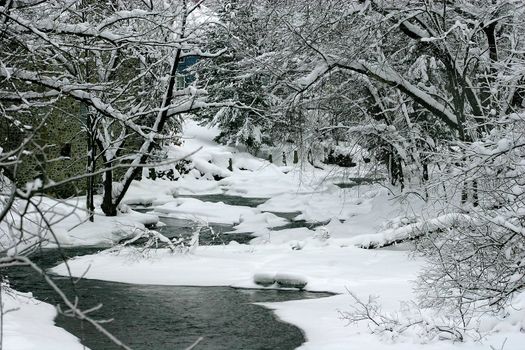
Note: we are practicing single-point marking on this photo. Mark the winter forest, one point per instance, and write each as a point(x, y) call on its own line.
point(262, 174)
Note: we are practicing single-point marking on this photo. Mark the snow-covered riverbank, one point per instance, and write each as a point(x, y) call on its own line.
point(322, 259)
point(318, 265)
point(27, 324)
point(50, 223)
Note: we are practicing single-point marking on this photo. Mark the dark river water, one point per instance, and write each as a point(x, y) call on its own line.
point(148, 317)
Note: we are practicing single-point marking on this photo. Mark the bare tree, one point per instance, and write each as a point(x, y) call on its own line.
point(108, 72)
point(116, 64)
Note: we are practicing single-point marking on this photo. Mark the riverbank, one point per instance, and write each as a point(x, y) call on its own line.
point(28, 324)
point(385, 274)
point(319, 254)
point(304, 225)
point(49, 223)
point(147, 317)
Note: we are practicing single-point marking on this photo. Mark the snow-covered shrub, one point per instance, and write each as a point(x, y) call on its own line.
point(322, 234)
point(410, 322)
point(477, 265)
point(398, 222)
point(145, 240)
point(472, 268)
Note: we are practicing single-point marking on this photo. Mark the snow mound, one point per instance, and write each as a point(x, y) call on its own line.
point(280, 280)
point(28, 324)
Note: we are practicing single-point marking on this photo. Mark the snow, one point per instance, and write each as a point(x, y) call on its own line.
point(314, 75)
point(246, 219)
point(324, 259)
point(28, 324)
point(326, 268)
point(320, 206)
point(324, 330)
point(250, 177)
point(384, 273)
point(70, 225)
point(393, 235)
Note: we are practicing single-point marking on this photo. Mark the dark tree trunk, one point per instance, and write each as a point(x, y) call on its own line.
point(488, 100)
point(395, 168)
point(91, 166)
point(108, 206)
point(163, 117)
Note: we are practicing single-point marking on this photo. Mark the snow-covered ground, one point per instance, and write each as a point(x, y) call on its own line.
point(27, 324)
point(50, 222)
point(319, 265)
point(250, 176)
point(322, 259)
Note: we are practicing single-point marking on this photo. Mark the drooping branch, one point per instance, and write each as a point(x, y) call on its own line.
point(390, 77)
point(428, 37)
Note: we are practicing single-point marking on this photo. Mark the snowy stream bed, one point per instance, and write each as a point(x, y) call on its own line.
point(173, 317)
point(166, 317)
point(266, 228)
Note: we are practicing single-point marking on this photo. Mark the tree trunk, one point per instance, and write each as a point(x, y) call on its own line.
point(108, 206)
point(90, 205)
point(158, 126)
